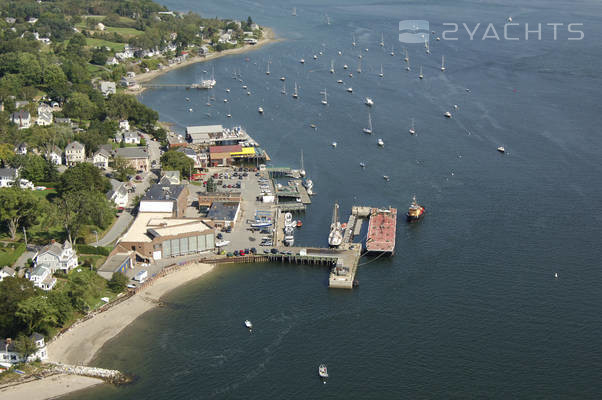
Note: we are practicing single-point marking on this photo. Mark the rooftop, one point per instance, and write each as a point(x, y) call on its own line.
point(160, 224)
point(132, 152)
point(223, 211)
point(163, 192)
point(191, 130)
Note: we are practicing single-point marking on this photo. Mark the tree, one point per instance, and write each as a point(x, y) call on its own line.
point(36, 314)
point(56, 82)
point(79, 106)
point(6, 153)
point(122, 168)
point(18, 208)
point(34, 168)
point(177, 161)
point(13, 291)
point(83, 177)
point(76, 209)
point(100, 56)
point(25, 345)
point(117, 282)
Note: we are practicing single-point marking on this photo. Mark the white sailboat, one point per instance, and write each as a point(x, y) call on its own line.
point(381, 71)
point(421, 76)
point(325, 99)
point(359, 66)
point(408, 68)
point(327, 20)
point(296, 92)
point(267, 71)
point(412, 129)
point(406, 58)
point(392, 52)
point(382, 40)
point(332, 66)
point(353, 43)
point(283, 91)
point(368, 130)
point(442, 63)
point(368, 101)
point(294, 13)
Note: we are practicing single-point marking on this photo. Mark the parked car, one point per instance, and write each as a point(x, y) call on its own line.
point(219, 236)
point(274, 251)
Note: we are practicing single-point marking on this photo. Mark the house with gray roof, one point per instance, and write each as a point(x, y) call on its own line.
point(137, 157)
point(170, 178)
point(21, 118)
point(75, 153)
point(7, 272)
point(130, 137)
point(55, 155)
point(56, 257)
point(8, 176)
point(107, 88)
point(101, 158)
point(41, 276)
point(118, 194)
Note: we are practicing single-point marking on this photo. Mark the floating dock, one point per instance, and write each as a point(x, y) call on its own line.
point(382, 230)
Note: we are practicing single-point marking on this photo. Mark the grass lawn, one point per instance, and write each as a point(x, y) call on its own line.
point(125, 32)
point(44, 194)
point(92, 42)
point(8, 255)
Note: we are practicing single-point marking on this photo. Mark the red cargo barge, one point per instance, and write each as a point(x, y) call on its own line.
point(382, 228)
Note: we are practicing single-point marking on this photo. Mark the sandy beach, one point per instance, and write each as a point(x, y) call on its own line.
point(48, 388)
point(80, 344)
point(268, 37)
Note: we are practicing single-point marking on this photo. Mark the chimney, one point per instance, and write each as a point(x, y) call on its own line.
point(8, 341)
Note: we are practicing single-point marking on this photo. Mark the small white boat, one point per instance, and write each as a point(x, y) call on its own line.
point(386, 177)
point(362, 165)
point(368, 130)
point(380, 143)
point(350, 89)
point(420, 76)
point(353, 43)
point(260, 110)
point(368, 101)
point(501, 149)
point(345, 66)
point(296, 92)
point(412, 129)
point(315, 57)
point(340, 53)
point(248, 324)
point(302, 61)
point(267, 72)
point(340, 81)
point(229, 115)
point(282, 78)
point(325, 99)
point(222, 243)
point(248, 93)
point(334, 144)
point(381, 71)
point(227, 90)
point(392, 52)
point(244, 87)
point(382, 40)
point(406, 58)
point(225, 100)
point(332, 66)
point(556, 275)
point(442, 63)
point(190, 110)
point(447, 114)
point(350, 75)
point(323, 372)
point(187, 98)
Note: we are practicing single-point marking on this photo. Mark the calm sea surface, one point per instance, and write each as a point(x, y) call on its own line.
point(469, 306)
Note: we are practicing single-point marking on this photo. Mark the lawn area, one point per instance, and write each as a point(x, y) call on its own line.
point(8, 255)
point(126, 32)
point(44, 194)
point(92, 42)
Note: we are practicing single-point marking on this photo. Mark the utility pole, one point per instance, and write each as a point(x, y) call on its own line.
point(25, 235)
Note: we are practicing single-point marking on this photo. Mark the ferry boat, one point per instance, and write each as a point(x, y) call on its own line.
point(415, 212)
point(323, 372)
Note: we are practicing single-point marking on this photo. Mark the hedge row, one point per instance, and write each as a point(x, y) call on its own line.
point(87, 249)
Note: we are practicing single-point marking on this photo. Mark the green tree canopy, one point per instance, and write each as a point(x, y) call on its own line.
point(83, 177)
point(18, 208)
point(177, 161)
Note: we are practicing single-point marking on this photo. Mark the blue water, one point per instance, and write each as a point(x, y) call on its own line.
point(469, 306)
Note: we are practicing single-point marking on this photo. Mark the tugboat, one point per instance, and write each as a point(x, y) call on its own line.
point(416, 211)
point(323, 372)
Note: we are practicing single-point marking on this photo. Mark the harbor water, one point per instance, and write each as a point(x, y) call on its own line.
point(469, 306)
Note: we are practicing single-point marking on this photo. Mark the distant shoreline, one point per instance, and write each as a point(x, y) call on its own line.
point(268, 37)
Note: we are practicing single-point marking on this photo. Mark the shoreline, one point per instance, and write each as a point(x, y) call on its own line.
point(80, 344)
point(268, 37)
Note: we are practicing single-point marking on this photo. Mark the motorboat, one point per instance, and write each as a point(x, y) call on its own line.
point(447, 114)
point(334, 144)
point(340, 81)
point(302, 61)
point(222, 243)
point(260, 110)
point(248, 324)
point(380, 143)
point(315, 57)
point(368, 130)
point(323, 372)
point(261, 224)
point(386, 178)
point(381, 71)
point(350, 89)
point(282, 78)
point(345, 66)
point(363, 165)
point(501, 149)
